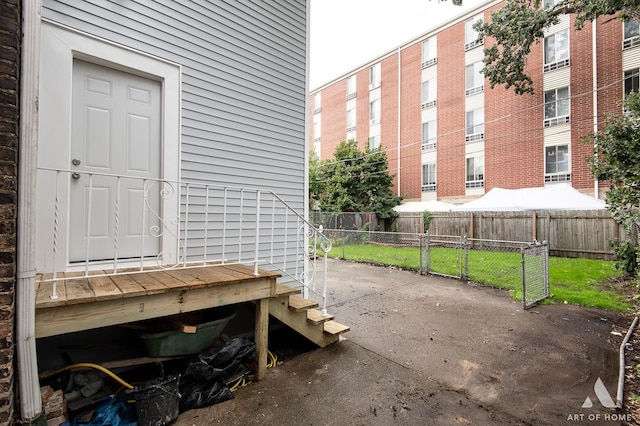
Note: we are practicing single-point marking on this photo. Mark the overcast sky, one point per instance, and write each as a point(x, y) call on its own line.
point(348, 33)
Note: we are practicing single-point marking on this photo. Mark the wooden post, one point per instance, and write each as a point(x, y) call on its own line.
point(534, 226)
point(471, 225)
point(262, 336)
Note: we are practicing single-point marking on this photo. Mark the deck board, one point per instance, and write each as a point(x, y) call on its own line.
point(149, 283)
point(104, 288)
point(128, 287)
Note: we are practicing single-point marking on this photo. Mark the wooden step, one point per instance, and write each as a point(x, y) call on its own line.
point(299, 304)
point(285, 290)
point(335, 328)
point(316, 317)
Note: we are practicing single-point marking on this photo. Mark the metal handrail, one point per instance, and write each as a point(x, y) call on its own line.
point(213, 224)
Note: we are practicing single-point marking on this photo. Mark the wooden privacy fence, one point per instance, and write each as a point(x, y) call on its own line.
point(570, 233)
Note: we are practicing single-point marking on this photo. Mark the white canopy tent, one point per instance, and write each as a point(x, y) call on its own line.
point(420, 206)
point(557, 197)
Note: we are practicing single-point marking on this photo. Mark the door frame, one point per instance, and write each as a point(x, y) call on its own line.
point(60, 46)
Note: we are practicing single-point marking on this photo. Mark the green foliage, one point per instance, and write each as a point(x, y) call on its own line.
point(616, 159)
point(626, 255)
point(426, 220)
point(521, 23)
point(316, 184)
point(355, 181)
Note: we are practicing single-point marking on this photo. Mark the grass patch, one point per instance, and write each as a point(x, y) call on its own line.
point(573, 280)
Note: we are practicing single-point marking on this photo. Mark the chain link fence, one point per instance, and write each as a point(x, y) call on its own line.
point(520, 267)
point(535, 273)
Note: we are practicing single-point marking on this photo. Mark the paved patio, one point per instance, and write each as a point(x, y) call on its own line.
point(430, 350)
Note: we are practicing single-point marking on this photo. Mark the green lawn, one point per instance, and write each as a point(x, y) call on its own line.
point(576, 281)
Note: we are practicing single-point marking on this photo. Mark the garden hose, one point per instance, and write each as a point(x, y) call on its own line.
point(97, 367)
point(246, 380)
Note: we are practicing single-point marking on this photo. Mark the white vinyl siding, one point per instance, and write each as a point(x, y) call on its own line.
point(243, 93)
point(243, 81)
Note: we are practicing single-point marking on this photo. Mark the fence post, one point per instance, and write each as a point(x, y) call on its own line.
point(464, 271)
point(427, 254)
point(420, 252)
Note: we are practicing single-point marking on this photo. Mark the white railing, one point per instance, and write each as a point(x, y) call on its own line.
point(143, 224)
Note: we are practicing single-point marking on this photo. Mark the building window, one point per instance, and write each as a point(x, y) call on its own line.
point(631, 35)
point(428, 177)
point(556, 164)
point(374, 76)
point(551, 3)
point(429, 135)
point(428, 53)
point(316, 148)
point(374, 142)
point(351, 120)
point(475, 172)
point(374, 117)
point(556, 107)
point(428, 94)
point(475, 79)
point(472, 37)
point(317, 107)
point(556, 51)
point(631, 81)
point(475, 125)
point(351, 87)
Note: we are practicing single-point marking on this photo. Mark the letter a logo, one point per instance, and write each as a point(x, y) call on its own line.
point(602, 394)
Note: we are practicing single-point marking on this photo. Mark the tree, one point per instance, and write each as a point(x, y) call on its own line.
point(316, 184)
point(520, 23)
point(616, 159)
point(355, 181)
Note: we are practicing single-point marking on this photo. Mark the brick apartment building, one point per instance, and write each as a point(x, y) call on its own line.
point(449, 136)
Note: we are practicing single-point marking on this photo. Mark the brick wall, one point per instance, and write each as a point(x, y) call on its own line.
point(514, 152)
point(451, 112)
point(9, 119)
point(410, 123)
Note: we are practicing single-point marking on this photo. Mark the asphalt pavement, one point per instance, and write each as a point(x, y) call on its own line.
point(427, 350)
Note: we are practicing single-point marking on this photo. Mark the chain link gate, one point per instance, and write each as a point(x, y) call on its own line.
point(535, 273)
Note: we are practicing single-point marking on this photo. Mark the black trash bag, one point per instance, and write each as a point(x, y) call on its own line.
point(218, 364)
point(235, 348)
point(200, 395)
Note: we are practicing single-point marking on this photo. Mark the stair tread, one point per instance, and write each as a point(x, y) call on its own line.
point(298, 304)
point(285, 290)
point(334, 327)
point(316, 317)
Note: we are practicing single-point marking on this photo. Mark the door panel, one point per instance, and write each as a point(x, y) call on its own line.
point(116, 124)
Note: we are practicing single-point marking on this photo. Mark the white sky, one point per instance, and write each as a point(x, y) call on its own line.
point(348, 33)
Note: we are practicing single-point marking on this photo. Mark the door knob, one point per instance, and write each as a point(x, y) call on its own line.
point(75, 162)
point(75, 175)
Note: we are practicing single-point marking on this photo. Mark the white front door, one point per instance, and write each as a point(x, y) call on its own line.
point(115, 131)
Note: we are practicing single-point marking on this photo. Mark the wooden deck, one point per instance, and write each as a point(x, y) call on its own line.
point(99, 301)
